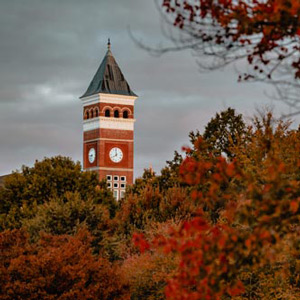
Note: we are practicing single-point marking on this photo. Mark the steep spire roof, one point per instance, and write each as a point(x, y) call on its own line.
point(109, 78)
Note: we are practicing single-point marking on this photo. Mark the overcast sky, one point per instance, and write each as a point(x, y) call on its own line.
point(51, 49)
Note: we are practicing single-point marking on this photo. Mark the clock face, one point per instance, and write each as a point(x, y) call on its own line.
point(92, 155)
point(116, 154)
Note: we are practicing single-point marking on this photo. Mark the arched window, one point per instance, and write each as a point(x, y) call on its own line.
point(107, 113)
point(87, 115)
point(96, 112)
point(125, 114)
point(116, 113)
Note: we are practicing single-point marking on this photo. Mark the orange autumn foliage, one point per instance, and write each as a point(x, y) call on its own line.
point(56, 267)
point(247, 222)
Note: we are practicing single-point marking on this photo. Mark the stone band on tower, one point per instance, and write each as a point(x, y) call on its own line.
point(108, 126)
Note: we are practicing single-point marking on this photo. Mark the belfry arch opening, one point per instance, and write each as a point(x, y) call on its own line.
point(125, 114)
point(116, 114)
point(107, 113)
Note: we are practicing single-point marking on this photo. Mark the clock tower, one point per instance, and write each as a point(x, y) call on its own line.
point(108, 126)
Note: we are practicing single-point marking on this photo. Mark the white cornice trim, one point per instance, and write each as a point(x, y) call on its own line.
point(94, 99)
point(108, 123)
point(108, 98)
point(115, 169)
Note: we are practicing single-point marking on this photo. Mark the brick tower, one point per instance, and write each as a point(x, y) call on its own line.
point(108, 126)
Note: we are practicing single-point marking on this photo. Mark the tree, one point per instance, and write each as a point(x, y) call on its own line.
point(222, 132)
point(266, 33)
point(52, 179)
point(169, 174)
point(67, 216)
point(151, 205)
point(146, 274)
point(252, 245)
point(56, 267)
point(148, 177)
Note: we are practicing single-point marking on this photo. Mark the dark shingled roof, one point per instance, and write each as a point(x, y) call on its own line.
point(109, 79)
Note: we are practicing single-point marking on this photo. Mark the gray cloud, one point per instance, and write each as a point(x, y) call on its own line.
point(50, 51)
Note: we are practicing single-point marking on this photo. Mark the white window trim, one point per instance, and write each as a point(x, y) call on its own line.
point(117, 196)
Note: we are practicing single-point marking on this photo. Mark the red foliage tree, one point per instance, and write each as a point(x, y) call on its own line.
point(266, 32)
point(56, 267)
point(248, 220)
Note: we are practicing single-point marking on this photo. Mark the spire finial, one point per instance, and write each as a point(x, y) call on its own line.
point(108, 44)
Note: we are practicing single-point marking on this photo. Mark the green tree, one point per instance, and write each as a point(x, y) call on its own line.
point(48, 180)
point(169, 176)
point(148, 178)
point(222, 132)
point(67, 216)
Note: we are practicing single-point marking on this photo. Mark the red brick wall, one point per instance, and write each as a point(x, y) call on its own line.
point(103, 147)
point(91, 135)
point(108, 134)
point(116, 134)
